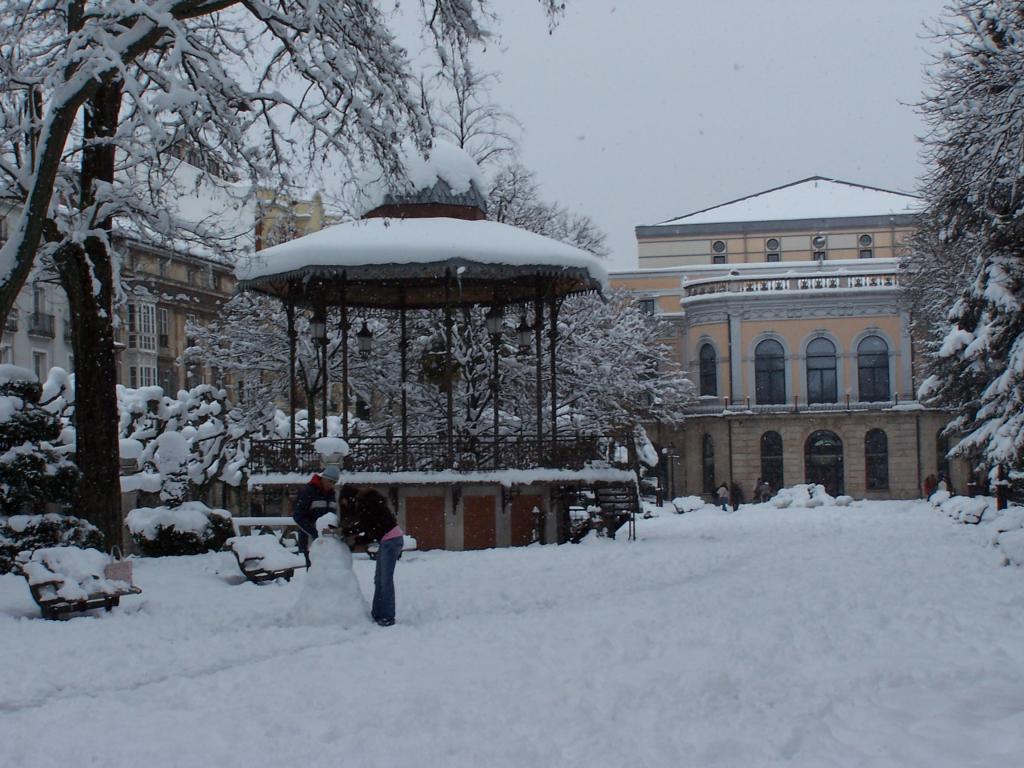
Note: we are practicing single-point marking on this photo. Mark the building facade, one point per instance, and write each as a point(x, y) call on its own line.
point(789, 317)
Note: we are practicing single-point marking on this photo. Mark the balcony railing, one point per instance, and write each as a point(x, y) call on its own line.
point(713, 405)
point(430, 454)
point(772, 284)
point(11, 323)
point(41, 324)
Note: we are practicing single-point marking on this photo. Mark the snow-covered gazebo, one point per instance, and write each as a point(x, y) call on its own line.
point(428, 246)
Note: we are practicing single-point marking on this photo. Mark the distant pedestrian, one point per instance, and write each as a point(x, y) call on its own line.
point(764, 491)
point(722, 496)
point(316, 499)
point(735, 495)
point(930, 484)
point(367, 519)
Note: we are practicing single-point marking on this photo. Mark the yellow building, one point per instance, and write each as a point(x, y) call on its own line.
point(789, 317)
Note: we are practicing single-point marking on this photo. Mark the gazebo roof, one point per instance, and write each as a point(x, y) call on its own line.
point(388, 263)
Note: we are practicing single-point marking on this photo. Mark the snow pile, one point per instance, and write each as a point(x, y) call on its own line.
point(802, 496)
point(331, 446)
point(267, 550)
point(688, 503)
point(71, 573)
point(444, 162)
point(1003, 529)
point(330, 594)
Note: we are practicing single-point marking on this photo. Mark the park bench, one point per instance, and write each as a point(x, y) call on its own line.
point(65, 580)
point(262, 558)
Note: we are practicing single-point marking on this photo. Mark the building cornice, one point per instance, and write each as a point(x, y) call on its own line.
point(726, 228)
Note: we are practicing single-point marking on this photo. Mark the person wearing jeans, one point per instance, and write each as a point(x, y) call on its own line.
point(388, 555)
point(367, 518)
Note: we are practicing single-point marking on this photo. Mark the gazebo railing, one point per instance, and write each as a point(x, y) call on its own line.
point(429, 453)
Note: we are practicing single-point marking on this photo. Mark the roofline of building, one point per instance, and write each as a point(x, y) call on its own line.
point(785, 186)
point(725, 228)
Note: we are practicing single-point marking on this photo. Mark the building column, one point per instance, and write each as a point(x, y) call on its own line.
point(737, 391)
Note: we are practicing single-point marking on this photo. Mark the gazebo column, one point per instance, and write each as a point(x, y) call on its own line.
point(343, 328)
point(320, 318)
point(538, 334)
point(403, 345)
point(553, 343)
point(449, 322)
point(289, 311)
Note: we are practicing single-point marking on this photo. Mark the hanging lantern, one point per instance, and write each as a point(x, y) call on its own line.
point(494, 320)
point(364, 337)
point(524, 331)
point(318, 328)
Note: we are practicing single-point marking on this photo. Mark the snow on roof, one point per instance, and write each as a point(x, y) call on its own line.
point(419, 241)
point(813, 198)
point(463, 182)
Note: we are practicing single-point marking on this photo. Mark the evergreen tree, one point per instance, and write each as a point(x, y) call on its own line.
point(974, 226)
point(32, 470)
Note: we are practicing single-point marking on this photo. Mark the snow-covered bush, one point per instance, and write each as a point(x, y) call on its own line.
point(33, 470)
point(188, 529)
point(27, 533)
point(802, 496)
point(188, 441)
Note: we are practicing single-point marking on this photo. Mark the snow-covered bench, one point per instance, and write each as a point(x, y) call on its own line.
point(263, 558)
point(68, 579)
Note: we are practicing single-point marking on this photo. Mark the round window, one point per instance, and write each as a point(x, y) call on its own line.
point(819, 242)
point(771, 244)
point(865, 241)
point(718, 246)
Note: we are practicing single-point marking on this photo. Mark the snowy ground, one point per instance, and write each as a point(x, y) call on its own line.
point(881, 634)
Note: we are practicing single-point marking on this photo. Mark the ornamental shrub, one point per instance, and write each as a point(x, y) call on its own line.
point(189, 529)
point(27, 533)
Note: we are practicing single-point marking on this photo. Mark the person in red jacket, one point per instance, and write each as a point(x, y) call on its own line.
point(366, 518)
point(316, 499)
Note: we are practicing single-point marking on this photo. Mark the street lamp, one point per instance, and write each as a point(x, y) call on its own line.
point(364, 337)
point(524, 333)
point(494, 319)
point(318, 329)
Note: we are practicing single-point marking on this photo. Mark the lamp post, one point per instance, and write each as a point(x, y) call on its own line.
point(318, 329)
point(494, 320)
point(669, 452)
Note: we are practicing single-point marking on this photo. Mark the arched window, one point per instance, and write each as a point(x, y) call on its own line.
point(771, 459)
point(708, 463)
point(823, 461)
point(873, 369)
point(708, 371)
point(821, 371)
point(876, 459)
point(769, 372)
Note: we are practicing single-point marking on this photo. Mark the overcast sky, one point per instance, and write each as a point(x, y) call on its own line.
point(637, 111)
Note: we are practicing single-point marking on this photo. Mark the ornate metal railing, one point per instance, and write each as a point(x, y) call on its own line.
point(716, 405)
point(423, 453)
point(806, 282)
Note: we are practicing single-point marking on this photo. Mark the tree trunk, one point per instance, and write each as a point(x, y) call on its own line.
point(87, 275)
point(97, 456)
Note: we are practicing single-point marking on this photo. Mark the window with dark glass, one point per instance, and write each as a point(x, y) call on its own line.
point(771, 459)
point(876, 459)
point(769, 372)
point(873, 370)
point(771, 244)
point(708, 371)
point(718, 246)
point(718, 258)
point(708, 464)
point(821, 372)
point(647, 306)
point(772, 256)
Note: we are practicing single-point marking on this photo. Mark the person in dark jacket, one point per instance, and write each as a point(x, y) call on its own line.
point(366, 518)
point(316, 499)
